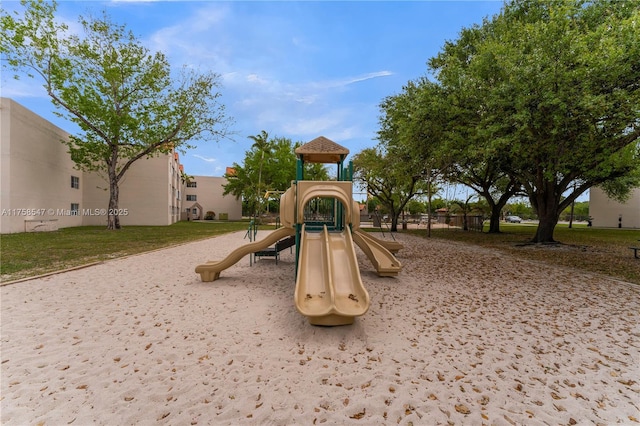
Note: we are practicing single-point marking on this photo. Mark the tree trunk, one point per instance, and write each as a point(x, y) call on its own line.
point(429, 206)
point(394, 222)
point(546, 226)
point(548, 215)
point(497, 206)
point(573, 204)
point(494, 221)
point(113, 220)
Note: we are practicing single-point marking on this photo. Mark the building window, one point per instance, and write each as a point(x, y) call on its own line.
point(192, 184)
point(75, 209)
point(191, 198)
point(75, 182)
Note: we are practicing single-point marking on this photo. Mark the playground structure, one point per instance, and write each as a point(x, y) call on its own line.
point(325, 221)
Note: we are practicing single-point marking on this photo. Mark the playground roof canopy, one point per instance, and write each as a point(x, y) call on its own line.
point(322, 150)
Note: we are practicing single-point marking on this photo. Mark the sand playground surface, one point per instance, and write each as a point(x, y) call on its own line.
point(462, 336)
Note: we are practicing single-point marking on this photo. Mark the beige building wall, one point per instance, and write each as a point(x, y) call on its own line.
point(95, 196)
point(607, 213)
point(36, 172)
point(36, 191)
point(208, 192)
point(150, 193)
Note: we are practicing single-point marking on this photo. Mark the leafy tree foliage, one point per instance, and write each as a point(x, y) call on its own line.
point(262, 146)
point(436, 204)
point(554, 89)
point(388, 178)
point(415, 207)
point(270, 165)
point(618, 188)
point(475, 160)
point(123, 97)
point(410, 135)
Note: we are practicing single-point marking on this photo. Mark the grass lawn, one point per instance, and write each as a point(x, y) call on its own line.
point(34, 253)
point(603, 251)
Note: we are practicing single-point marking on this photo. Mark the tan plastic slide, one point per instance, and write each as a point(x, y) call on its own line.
point(210, 271)
point(382, 259)
point(329, 290)
point(392, 246)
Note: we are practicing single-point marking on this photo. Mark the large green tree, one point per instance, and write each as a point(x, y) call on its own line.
point(388, 178)
point(123, 97)
point(411, 135)
point(435, 126)
point(262, 146)
point(475, 161)
point(556, 93)
point(269, 165)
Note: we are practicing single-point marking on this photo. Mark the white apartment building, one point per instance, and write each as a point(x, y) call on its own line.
point(204, 193)
point(38, 179)
point(40, 189)
point(150, 193)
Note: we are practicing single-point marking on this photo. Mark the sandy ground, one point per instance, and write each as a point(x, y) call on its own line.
point(461, 336)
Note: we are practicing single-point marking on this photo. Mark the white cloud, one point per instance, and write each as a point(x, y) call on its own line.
point(255, 78)
point(207, 159)
point(307, 99)
point(264, 86)
point(324, 123)
point(369, 76)
point(209, 18)
point(342, 82)
point(192, 38)
point(307, 93)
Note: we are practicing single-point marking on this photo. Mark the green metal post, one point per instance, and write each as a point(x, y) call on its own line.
point(299, 173)
point(300, 168)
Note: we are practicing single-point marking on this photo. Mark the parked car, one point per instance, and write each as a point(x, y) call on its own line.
point(513, 219)
point(424, 218)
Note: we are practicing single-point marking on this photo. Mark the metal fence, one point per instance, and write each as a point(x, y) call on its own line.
point(452, 221)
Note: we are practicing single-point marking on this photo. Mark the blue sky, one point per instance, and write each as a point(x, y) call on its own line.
point(294, 69)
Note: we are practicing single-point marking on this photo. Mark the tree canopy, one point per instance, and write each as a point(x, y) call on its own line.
point(542, 99)
point(125, 100)
point(555, 91)
point(388, 178)
point(270, 165)
point(411, 140)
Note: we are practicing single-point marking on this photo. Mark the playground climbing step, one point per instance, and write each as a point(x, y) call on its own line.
point(275, 251)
